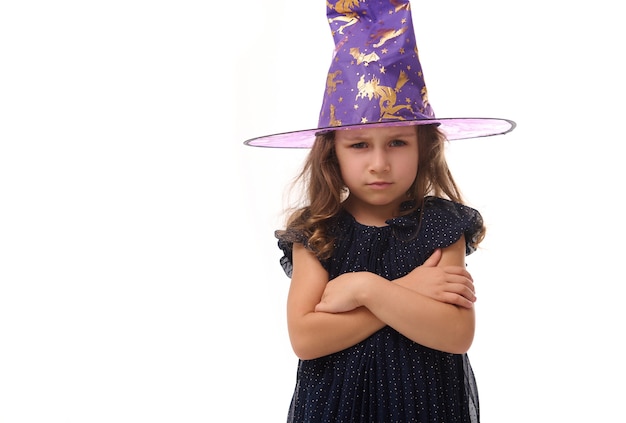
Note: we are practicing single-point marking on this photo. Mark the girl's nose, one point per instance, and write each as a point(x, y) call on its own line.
point(380, 162)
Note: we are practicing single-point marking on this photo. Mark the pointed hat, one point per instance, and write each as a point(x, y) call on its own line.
point(375, 78)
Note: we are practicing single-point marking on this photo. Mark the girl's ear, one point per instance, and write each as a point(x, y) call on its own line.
point(345, 192)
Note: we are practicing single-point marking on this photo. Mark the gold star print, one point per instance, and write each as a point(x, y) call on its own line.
point(356, 107)
point(341, 99)
point(402, 50)
point(382, 69)
point(384, 51)
point(363, 120)
point(403, 20)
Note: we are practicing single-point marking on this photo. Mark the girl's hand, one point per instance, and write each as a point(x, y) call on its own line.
point(340, 294)
point(447, 284)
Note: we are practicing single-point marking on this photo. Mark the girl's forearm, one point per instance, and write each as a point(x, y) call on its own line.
point(319, 333)
point(434, 324)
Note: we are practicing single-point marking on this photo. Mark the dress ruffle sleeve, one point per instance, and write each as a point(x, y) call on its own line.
point(286, 239)
point(450, 220)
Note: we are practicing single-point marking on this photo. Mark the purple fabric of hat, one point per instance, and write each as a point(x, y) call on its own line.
point(376, 79)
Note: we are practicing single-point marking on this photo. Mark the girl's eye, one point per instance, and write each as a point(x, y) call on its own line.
point(359, 145)
point(397, 143)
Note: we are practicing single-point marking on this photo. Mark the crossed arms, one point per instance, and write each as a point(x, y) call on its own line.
point(432, 305)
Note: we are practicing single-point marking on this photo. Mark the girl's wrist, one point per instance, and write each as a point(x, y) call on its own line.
point(365, 291)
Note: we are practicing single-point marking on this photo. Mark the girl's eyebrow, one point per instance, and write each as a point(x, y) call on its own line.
point(364, 137)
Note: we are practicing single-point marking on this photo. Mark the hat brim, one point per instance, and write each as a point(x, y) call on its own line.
point(453, 128)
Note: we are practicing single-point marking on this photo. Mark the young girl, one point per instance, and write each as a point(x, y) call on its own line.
point(381, 307)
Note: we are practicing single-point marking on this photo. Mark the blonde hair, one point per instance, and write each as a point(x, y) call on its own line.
point(324, 188)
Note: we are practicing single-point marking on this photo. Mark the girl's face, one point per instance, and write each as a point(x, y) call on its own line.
point(378, 165)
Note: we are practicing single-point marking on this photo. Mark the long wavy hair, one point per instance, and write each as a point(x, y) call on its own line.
point(324, 189)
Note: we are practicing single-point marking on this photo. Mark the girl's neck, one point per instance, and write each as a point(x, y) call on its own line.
point(369, 214)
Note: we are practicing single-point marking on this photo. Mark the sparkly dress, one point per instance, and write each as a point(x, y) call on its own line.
point(387, 378)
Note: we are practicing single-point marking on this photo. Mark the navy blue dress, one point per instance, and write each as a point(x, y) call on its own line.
point(387, 378)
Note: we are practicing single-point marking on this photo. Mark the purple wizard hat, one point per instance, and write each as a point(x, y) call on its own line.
point(375, 78)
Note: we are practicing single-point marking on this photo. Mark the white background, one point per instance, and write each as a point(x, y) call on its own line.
point(139, 276)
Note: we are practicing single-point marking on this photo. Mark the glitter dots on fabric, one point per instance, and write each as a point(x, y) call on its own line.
point(387, 377)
